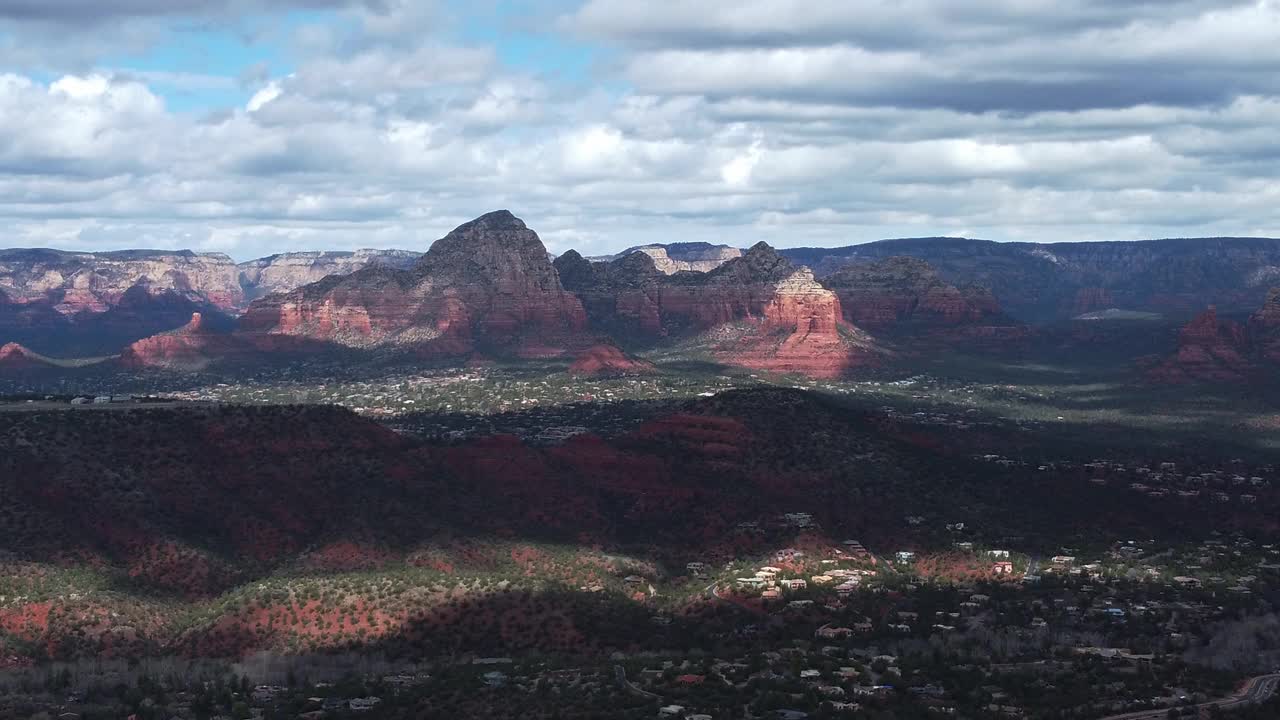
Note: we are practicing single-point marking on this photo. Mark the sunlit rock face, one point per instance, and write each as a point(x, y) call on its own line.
point(287, 271)
point(96, 282)
point(15, 357)
point(192, 347)
point(608, 361)
point(488, 284)
point(758, 310)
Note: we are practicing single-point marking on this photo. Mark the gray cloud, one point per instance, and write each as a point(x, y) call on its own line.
point(85, 12)
point(791, 121)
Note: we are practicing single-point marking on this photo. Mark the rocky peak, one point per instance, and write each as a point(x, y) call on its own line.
point(12, 348)
point(1210, 349)
point(761, 263)
point(495, 247)
point(575, 271)
point(1208, 329)
point(196, 324)
point(632, 270)
point(18, 357)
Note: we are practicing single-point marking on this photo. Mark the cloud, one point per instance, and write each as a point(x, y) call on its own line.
point(790, 121)
point(88, 12)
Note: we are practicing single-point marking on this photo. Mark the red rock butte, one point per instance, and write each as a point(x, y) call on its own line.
point(608, 360)
point(488, 285)
point(17, 357)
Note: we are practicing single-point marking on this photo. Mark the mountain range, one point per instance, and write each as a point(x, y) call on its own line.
point(490, 290)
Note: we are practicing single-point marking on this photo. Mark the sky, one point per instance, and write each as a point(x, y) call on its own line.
point(253, 127)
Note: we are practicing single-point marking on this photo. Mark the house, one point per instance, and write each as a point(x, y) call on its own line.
point(998, 553)
point(696, 569)
point(827, 632)
point(751, 582)
point(266, 693)
point(364, 704)
point(495, 678)
point(671, 711)
point(794, 584)
point(770, 594)
point(1002, 568)
point(930, 690)
point(831, 691)
point(906, 556)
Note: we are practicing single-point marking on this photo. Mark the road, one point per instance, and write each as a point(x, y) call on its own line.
point(620, 673)
point(1255, 690)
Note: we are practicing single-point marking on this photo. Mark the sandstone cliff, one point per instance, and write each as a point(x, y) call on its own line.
point(1046, 282)
point(192, 347)
point(284, 272)
point(487, 285)
point(1210, 349)
point(95, 282)
point(671, 258)
point(758, 310)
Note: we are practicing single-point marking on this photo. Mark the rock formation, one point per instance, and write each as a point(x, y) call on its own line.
point(902, 290)
point(287, 271)
point(672, 258)
point(1210, 349)
point(94, 282)
point(758, 311)
point(608, 361)
point(1049, 282)
point(191, 348)
point(16, 358)
point(905, 296)
point(1264, 326)
point(487, 285)
point(622, 298)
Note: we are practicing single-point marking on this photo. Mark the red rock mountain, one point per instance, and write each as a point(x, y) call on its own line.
point(192, 347)
point(758, 311)
point(1210, 349)
point(15, 357)
point(608, 361)
point(487, 285)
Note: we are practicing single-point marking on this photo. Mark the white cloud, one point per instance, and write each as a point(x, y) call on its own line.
point(792, 121)
point(263, 96)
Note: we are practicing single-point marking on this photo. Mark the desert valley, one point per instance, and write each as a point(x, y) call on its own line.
point(905, 479)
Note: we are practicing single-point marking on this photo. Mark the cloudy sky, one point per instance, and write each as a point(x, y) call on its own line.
point(259, 126)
